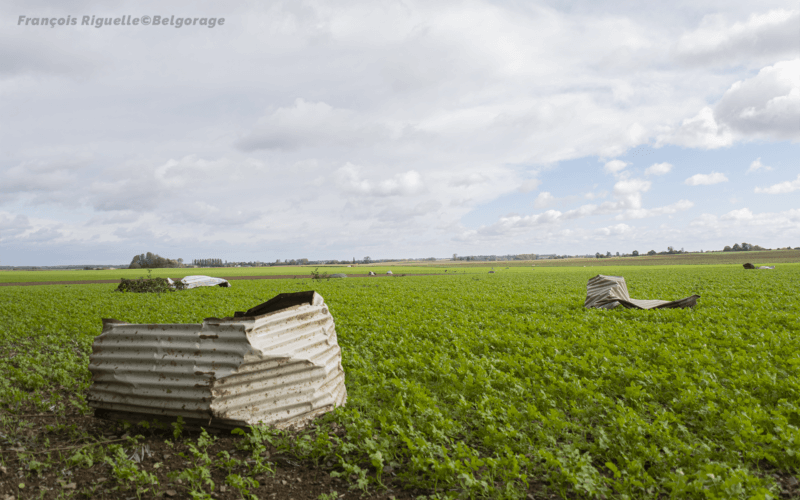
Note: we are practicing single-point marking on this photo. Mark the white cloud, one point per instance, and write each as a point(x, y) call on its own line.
point(743, 214)
point(616, 230)
point(349, 179)
point(13, 224)
point(396, 214)
point(766, 105)
point(629, 192)
point(544, 200)
point(641, 213)
point(762, 37)
point(529, 185)
point(757, 165)
point(706, 220)
point(781, 188)
point(614, 166)
point(658, 169)
point(467, 180)
point(383, 126)
point(700, 131)
point(706, 179)
point(311, 124)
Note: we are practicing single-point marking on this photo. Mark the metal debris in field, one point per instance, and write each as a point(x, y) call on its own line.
point(198, 281)
point(278, 363)
point(607, 292)
point(751, 266)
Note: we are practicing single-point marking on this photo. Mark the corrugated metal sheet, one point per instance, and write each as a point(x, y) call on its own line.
point(608, 292)
point(278, 363)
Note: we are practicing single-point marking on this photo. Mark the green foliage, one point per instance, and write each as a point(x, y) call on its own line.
point(177, 427)
point(152, 260)
point(127, 472)
point(149, 285)
point(316, 275)
point(242, 484)
point(476, 385)
point(198, 477)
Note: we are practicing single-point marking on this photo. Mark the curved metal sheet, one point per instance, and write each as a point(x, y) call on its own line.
point(608, 292)
point(197, 281)
point(282, 368)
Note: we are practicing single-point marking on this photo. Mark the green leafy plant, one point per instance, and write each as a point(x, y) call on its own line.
point(316, 275)
point(127, 472)
point(243, 484)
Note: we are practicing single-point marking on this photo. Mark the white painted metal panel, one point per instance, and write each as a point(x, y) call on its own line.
point(282, 368)
point(197, 281)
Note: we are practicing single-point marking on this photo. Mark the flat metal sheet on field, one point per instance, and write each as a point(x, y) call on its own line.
point(608, 292)
point(278, 363)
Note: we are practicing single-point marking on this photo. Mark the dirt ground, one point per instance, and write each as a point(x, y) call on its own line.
point(290, 480)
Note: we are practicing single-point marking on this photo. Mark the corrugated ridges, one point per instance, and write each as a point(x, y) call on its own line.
point(608, 292)
point(280, 368)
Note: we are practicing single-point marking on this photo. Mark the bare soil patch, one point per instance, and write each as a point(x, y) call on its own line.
point(36, 463)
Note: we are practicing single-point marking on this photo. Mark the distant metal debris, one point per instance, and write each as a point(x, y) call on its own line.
point(278, 363)
point(751, 266)
point(389, 272)
point(338, 275)
point(372, 273)
point(607, 292)
point(197, 281)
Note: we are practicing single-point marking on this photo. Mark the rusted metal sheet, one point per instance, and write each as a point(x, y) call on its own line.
point(278, 363)
point(608, 292)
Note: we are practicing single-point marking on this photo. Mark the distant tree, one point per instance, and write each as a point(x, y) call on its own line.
point(367, 259)
point(151, 261)
point(598, 255)
point(608, 254)
point(736, 247)
point(635, 253)
point(651, 252)
point(455, 256)
point(617, 254)
point(727, 249)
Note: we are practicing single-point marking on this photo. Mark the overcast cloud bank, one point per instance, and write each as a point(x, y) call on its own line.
point(397, 130)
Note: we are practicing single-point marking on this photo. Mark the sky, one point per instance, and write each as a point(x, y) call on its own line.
point(395, 129)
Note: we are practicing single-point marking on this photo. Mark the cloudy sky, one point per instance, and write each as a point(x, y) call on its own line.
point(396, 128)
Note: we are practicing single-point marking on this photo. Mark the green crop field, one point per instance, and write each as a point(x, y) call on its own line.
point(478, 385)
point(177, 273)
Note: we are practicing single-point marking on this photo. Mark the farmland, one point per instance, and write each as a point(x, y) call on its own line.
point(473, 385)
point(411, 267)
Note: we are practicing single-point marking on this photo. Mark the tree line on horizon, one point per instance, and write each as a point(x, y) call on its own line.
point(150, 260)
